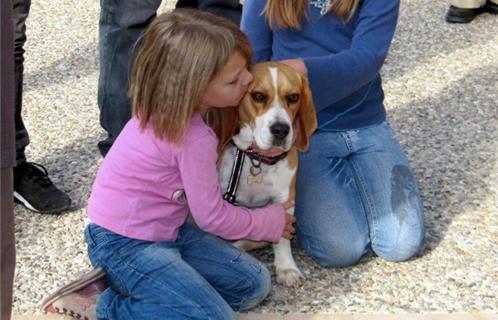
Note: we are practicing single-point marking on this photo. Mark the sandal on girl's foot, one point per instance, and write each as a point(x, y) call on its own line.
point(79, 298)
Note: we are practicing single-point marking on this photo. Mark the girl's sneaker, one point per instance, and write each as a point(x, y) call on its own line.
point(78, 299)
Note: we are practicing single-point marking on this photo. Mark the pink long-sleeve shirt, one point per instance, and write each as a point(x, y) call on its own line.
point(146, 187)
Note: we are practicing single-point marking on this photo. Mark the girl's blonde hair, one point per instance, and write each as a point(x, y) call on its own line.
point(289, 14)
point(180, 53)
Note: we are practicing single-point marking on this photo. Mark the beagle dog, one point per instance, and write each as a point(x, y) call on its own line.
point(277, 115)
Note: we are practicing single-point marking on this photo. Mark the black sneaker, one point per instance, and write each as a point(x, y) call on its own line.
point(491, 7)
point(459, 15)
point(34, 190)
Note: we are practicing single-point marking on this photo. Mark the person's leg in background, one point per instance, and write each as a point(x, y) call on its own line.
point(464, 11)
point(186, 4)
point(20, 14)
point(8, 255)
point(231, 9)
point(121, 23)
point(32, 186)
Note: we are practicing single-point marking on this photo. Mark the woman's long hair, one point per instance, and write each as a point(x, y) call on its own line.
point(289, 14)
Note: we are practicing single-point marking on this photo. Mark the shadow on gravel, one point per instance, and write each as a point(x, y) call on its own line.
point(73, 168)
point(63, 70)
point(451, 141)
point(422, 34)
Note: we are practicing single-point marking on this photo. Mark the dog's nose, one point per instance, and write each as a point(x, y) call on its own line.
point(279, 130)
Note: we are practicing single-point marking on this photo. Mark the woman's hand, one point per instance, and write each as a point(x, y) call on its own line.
point(296, 64)
point(289, 230)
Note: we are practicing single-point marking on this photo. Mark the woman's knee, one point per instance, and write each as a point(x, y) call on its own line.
point(400, 246)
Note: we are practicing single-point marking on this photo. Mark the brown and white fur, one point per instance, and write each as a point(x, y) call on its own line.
point(276, 112)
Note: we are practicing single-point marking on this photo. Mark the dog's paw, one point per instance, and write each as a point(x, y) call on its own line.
point(290, 277)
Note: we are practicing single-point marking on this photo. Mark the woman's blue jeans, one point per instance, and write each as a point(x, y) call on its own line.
point(198, 276)
point(356, 192)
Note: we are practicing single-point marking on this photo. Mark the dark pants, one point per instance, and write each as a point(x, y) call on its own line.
point(19, 14)
point(121, 23)
point(8, 257)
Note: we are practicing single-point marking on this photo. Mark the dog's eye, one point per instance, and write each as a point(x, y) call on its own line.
point(292, 98)
point(259, 97)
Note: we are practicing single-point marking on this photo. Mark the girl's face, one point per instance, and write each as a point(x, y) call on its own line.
point(228, 86)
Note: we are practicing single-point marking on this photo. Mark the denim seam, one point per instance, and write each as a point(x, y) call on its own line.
point(367, 199)
point(368, 205)
point(106, 308)
point(347, 139)
point(241, 273)
point(97, 245)
point(124, 262)
point(231, 260)
point(253, 289)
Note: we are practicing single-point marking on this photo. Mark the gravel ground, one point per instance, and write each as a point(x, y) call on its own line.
point(442, 96)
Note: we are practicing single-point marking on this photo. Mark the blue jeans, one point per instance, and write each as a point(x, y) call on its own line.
point(198, 276)
point(121, 24)
point(356, 192)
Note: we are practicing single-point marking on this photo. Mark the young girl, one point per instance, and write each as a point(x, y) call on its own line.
point(162, 166)
point(355, 190)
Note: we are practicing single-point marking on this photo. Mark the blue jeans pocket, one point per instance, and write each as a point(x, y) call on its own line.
point(102, 254)
point(96, 236)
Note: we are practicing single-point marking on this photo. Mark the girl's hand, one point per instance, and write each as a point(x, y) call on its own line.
point(296, 64)
point(289, 230)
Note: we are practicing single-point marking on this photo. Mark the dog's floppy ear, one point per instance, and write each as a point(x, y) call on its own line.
point(225, 123)
point(307, 123)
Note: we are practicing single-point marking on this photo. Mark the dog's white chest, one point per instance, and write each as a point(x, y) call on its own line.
point(268, 185)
